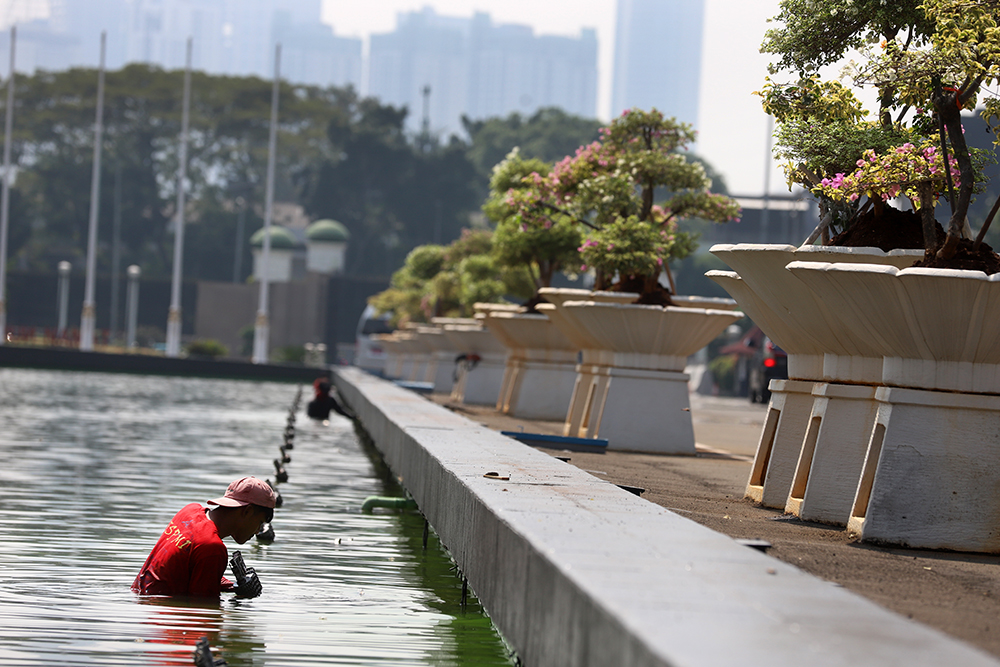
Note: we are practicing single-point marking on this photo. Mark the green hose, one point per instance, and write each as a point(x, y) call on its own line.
point(371, 502)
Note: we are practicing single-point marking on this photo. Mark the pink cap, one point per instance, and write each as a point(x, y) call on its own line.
point(247, 491)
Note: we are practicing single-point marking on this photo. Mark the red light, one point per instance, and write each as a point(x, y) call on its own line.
point(770, 363)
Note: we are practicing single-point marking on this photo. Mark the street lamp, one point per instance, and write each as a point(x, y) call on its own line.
point(62, 296)
point(132, 304)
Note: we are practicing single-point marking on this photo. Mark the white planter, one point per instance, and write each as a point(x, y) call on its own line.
point(929, 475)
point(441, 367)
point(478, 381)
point(805, 325)
point(589, 371)
point(833, 453)
point(780, 442)
point(637, 396)
point(393, 355)
point(931, 472)
point(540, 366)
point(415, 356)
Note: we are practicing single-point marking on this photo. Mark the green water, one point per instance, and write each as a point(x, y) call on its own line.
point(94, 467)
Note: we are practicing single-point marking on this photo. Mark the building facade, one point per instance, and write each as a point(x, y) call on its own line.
point(658, 57)
point(231, 37)
point(475, 67)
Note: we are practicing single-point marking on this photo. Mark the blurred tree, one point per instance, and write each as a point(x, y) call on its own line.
point(548, 135)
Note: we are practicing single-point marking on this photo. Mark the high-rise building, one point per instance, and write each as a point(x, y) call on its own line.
point(658, 57)
point(477, 68)
point(235, 37)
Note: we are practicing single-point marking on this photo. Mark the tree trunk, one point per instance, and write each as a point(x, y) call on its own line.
point(927, 217)
point(945, 101)
point(647, 202)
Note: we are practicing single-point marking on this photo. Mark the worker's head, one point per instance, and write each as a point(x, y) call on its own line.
point(246, 507)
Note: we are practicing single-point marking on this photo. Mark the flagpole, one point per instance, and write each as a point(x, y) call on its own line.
point(174, 315)
point(5, 191)
point(89, 316)
point(262, 326)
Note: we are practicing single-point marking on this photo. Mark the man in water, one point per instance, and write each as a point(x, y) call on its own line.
point(320, 406)
point(190, 558)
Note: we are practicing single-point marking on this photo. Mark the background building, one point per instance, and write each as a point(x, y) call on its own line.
point(658, 57)
point(475, 67)
point(234, 37)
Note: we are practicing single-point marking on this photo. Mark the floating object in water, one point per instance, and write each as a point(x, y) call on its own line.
point(280, 475)
point(266, 533)
point(285, 458)
point(289, 444)
point(289, 432)
point(278, 500)
point(203, 655)
point(371, 502)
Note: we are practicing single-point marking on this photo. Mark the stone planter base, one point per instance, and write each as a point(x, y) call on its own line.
point(833, 453)
point(535, 389)
point(931, 476)
point(639, 410)
point(479, 385)
point(590, 381)
point(444, 371)
point(780, 442)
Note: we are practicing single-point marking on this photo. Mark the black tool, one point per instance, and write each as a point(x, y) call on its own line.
point(247, 581)
point(278, 500)
point(203, 655)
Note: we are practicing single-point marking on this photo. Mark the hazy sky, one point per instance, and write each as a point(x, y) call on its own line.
point(732, 129)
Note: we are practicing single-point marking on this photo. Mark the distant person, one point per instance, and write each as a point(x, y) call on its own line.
point(320, 406)
point(189, 558)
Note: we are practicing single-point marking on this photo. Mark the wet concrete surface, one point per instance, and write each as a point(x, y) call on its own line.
point(957, 593)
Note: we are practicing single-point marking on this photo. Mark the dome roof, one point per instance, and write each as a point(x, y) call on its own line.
point(327, 230)
point(280, 238)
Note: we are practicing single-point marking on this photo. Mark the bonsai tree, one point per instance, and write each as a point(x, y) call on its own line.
point(609, 188)
point(531, 230)
point(927, 60)
point(445, 281)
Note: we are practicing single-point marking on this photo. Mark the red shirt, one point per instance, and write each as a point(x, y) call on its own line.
point(188, 559)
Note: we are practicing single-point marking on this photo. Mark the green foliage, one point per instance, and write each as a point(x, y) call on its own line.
point(626, 246)
point(723, 369)
point(425, 262)
point(924, 55)
point(445, 281)
point(546, 135)
point(289, 354)
point(610, 186)
point(530, 231)
point(810, 99)
point(247, 333)
point(816, 150)
point(206, 347)
point(815, 33)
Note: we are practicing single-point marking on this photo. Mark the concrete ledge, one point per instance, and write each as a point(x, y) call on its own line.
point(575, 571)
point(100, 362)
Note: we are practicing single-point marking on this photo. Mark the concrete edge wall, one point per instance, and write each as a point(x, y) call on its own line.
point(575, 571)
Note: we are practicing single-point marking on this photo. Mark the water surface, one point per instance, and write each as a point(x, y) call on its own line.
point(94, 467)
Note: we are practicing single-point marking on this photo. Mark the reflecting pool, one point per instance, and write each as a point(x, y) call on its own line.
point(94, 467)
